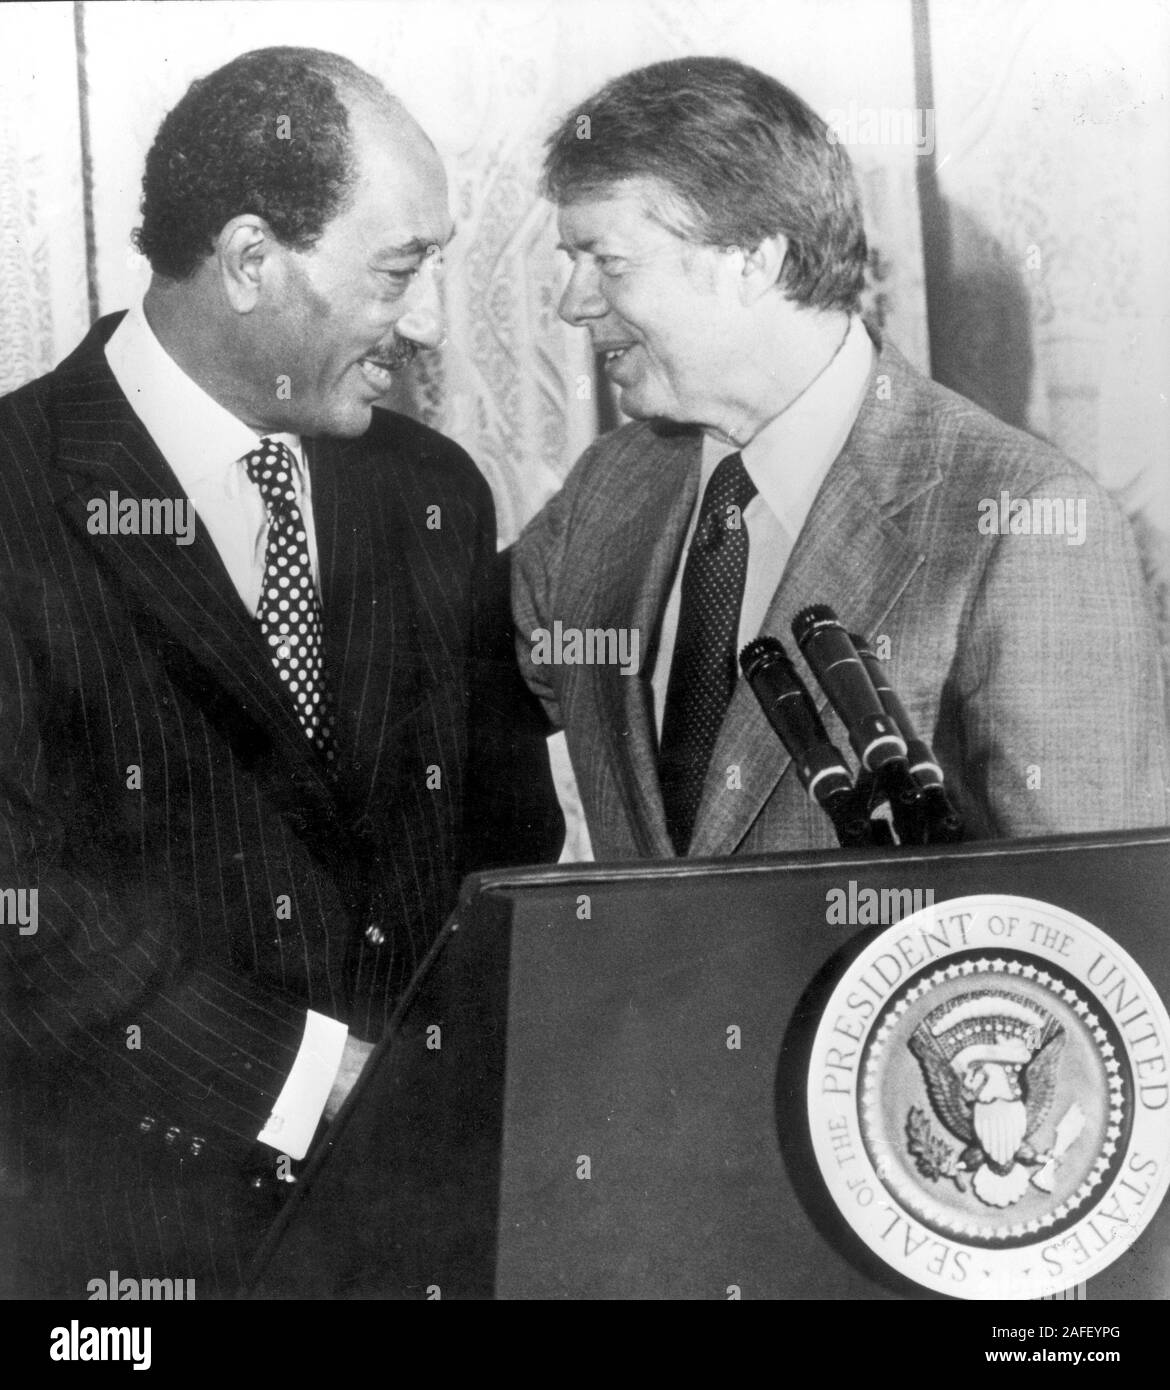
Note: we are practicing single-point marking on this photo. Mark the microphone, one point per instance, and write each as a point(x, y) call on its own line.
point(874, 735)
point(945, 825)
point(789, 709)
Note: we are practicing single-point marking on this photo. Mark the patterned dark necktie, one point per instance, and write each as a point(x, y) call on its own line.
point(290, 611)
point(703, 670)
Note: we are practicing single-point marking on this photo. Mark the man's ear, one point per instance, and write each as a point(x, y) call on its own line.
point(244, 255)
point(762, 267)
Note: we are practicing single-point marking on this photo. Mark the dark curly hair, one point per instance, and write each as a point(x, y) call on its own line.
point(268, 133)
point(739, 157)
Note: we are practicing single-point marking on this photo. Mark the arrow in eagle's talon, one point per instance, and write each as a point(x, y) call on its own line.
point(1067, 1133)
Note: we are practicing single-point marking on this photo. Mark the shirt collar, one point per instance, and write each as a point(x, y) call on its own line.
point(198, 437)
point(791, 455)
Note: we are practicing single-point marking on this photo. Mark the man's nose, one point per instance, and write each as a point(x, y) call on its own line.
point(582, 299)
point(423, 321)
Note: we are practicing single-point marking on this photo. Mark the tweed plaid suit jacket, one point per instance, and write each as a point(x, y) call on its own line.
point(201, 878)
point(1029, 663)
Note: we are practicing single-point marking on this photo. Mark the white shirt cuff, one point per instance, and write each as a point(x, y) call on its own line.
point(301, 1103)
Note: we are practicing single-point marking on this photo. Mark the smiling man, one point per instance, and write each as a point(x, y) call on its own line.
point(244, 771)
point(781, 455)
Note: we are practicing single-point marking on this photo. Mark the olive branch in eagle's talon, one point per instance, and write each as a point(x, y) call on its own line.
point(933, 1157)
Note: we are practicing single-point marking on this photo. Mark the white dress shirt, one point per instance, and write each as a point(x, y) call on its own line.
point(205, 445)
point(788, 461)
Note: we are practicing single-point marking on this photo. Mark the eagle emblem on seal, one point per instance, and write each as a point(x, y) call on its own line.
point(990, 1061)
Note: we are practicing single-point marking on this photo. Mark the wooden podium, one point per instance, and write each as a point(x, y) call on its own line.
point(556, 1111)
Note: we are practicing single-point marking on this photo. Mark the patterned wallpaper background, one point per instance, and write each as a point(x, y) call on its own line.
point(487, 79)
point(1022, 253)
point(1048, 235)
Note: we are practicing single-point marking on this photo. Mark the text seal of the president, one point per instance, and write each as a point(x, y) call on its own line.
point(988, 1098)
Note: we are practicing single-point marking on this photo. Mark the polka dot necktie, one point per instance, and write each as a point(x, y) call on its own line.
point(703, 671)
point(290, 611)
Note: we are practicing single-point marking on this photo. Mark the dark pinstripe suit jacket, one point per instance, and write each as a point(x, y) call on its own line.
point(239, 883)
point(1030, 664)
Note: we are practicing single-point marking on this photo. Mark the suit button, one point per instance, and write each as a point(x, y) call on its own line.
point(375, 935)
point(172, 1134)
point(197, 1143)
point(146, 1124)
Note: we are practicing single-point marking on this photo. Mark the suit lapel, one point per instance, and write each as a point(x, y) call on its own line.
point(181, 595)
point(852, 555)
point(633, 595)
point(373, 646)
point(344, 617)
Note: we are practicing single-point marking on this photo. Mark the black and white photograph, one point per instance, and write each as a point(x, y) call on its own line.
point(584, 660)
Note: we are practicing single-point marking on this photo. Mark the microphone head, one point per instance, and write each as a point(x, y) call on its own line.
point(826, 646)
point(759, 653)
point(809, 619)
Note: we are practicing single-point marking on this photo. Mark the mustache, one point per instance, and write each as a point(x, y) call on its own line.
point(395, 356)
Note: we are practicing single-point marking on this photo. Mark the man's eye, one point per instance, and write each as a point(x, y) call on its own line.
point(400, 277)
point(610, 265)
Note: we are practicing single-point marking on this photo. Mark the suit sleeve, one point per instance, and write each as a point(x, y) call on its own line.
point(537, 560)
point(1060, 682)
point(97, 985)
point(511, 813)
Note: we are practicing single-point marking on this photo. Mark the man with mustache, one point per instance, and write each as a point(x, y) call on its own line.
point(244, 773)
point(780, 456)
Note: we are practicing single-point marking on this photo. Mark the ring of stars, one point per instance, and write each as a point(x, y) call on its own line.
point(871, 1101)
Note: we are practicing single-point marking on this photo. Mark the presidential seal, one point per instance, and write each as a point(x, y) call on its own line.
point(989, 1098)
